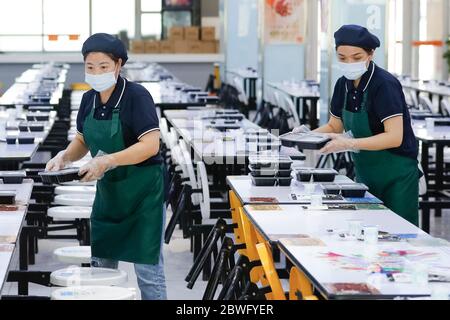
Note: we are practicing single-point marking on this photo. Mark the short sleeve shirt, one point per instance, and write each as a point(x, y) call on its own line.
point(137, 112)
point(386, 100)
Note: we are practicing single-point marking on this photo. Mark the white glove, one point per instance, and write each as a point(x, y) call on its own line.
point(96, 168)
point(340, 143)
point(301, 129)
point(58, 162)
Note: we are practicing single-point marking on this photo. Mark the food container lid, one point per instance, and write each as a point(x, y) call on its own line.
point(354, 186)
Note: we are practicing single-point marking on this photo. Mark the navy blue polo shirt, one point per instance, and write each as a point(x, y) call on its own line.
point(386, 100)
point(137, 112)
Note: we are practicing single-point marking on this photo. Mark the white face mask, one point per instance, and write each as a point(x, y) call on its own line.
point(353, 71)
point(101, 82)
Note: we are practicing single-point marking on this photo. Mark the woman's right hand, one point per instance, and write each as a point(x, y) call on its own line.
point(57, 163)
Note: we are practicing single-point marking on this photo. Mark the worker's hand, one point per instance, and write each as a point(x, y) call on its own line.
point(58, 162)
point(339, 143)
point(301, 129)
point(96, 168)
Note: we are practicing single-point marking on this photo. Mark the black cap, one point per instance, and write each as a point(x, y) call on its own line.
point(357, 36)
point(103, 42)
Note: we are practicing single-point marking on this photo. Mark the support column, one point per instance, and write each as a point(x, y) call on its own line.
point(415, 35)
point(312, 45)
point(407, 38)
point(446, 32)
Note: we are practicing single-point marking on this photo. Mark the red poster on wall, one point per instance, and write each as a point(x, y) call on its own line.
point(285, 21)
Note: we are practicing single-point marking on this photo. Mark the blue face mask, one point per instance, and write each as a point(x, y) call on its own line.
point(353, 71)
point(101, 82)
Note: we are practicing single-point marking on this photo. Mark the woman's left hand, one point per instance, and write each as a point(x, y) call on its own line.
point(338, 143)
point(96, 168)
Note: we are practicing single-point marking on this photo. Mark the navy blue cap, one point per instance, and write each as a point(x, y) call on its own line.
point(356, 36)
point(103, 42)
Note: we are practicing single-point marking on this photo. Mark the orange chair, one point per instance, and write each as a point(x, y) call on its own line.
point(235, 205)
point(251, 240)
point(270, 272)
point(299, 286)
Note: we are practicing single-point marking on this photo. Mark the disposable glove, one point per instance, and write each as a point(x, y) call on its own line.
point(340, 143)
point(96, 168)
point(58, 162)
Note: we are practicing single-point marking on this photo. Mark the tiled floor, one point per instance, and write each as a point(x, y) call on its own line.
point(178, 260)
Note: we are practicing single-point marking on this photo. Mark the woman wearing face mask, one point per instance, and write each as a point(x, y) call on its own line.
point(369, 102)
point(118, 124)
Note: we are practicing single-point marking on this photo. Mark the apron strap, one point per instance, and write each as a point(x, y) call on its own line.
point(115, 122)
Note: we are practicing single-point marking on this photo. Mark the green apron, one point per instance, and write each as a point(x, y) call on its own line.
point(126, 219)
point(392, 178)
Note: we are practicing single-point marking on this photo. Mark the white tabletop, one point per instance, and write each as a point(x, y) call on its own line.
point(22, 152)
point(251, 194)
point(166, 93)
point(11, 222)
point(17, 152)
point(295, 90)
point(327, 259)
point(437, 133)
point(208, 143)
point(427, 87)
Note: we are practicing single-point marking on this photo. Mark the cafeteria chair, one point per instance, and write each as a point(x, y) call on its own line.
point(74, 199)
point(87, 276)
point(208, 251)
point(414, 99)
point(299, 286)
point(218, 232)
point(67, 218)
point(75, 255)
point(231, 273)
point(288, 106)
point(93, 293)
point(251, 240)
point(408, 99)
point(445, 107)
point(242, 96)
point(75, 189)
point(425, 104)
point(270, 273)
point(263, 115)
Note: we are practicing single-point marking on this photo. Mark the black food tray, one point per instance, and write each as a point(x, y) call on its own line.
point(264, 181)
point(304, 141)
point(25, 139)
point(12, 177)
point(324, 175)
point(37, 117)
point(280, 162)
point(271, 181)
point(65, 175)
point(318, 175)
point(354, 190)
point(270, 172)
point(7, 197)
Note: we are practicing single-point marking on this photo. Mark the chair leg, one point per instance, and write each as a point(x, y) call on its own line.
point(228, 291)
point(203, 256)
point(218, 271)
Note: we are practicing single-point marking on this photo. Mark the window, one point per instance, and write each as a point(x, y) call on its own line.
point(105, 13)
point(395, 39)
point(64, 18)
point(431, 29)
point(61, 25)
point(16, 35)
